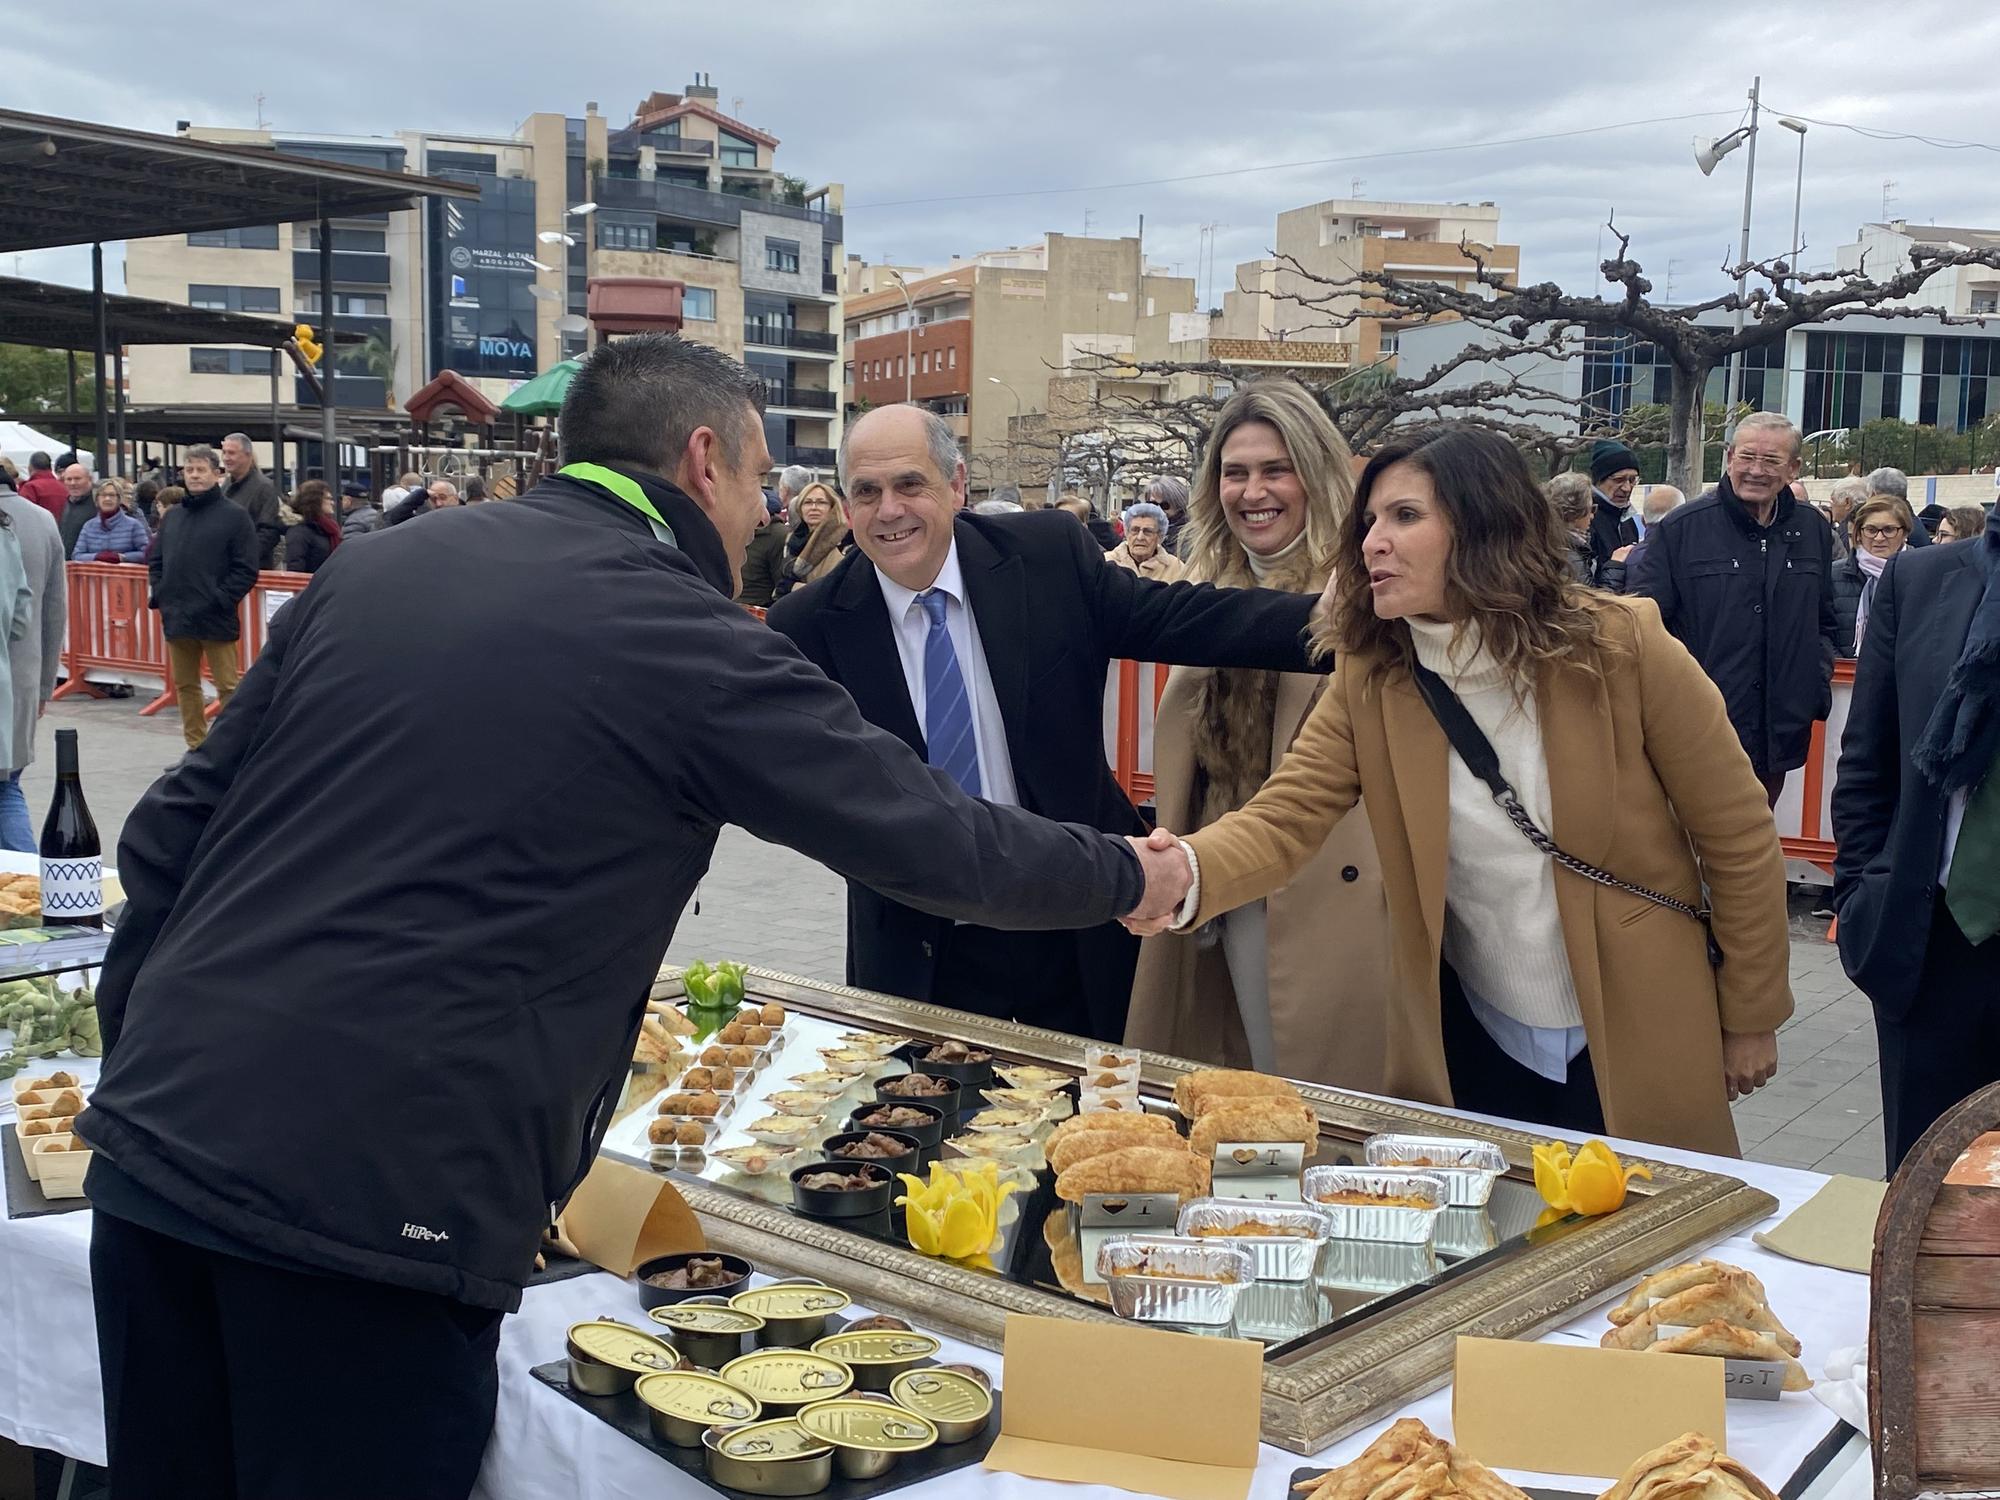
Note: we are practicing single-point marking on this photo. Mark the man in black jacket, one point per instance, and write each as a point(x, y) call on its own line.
point(1614, 473)
point(1916, 826)
point(1744, 578)
point(364, 1031)
point(204, 562)
point(251, 488)
point(984, 641)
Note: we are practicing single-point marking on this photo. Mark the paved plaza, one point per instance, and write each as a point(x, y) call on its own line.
point(770, 906)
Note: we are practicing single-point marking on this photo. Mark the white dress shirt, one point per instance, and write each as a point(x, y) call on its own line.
point(913, 627)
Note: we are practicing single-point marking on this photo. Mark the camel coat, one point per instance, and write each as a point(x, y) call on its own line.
point(1642, 763)
point(1327, 931)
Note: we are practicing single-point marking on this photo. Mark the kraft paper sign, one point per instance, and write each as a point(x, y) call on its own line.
point(1834, 1227)
point(1140, 1409)
point(1561, 1409)
point(621, 1217)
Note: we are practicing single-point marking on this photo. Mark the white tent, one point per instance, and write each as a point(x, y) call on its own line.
point(18, 440)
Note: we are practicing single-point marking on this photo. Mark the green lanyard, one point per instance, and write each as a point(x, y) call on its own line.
point(625, 489)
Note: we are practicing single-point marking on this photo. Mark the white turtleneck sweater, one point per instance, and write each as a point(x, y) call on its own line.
point(1502, 932)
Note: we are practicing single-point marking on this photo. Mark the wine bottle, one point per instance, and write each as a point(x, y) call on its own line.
point(72, 858)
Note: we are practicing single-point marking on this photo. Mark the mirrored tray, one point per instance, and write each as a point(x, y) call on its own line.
point(1373, 1327)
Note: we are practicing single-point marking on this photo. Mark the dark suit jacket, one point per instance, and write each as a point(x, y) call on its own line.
point(1888, 822)
point(1052, 616)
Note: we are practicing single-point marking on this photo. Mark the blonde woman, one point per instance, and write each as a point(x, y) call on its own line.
point(813, 549)
point(1295, 983)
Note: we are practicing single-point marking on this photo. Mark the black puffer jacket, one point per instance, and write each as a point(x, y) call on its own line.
point(1754, 604)
point(399, 1070)
point(204, 561)
point(1848, 584)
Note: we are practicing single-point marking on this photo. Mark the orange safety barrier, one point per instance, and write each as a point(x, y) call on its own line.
point(1127, 745)
point(114, 633)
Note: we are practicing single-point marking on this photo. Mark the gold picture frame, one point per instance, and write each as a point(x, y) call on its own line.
point(1315, 1395)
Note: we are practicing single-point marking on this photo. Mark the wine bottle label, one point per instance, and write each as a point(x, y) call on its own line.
point(72, 888)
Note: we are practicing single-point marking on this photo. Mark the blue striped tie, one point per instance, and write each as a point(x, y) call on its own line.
point(947, 709)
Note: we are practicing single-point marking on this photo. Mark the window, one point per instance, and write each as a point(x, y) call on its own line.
point(229, 361)
point(951, 357)
point(924, 363)
point(625, 234)
point(782, 255)
point(248, 299)
point(374, 241)
point(698, 304)
point(254, 237)
point(1986, 302)
point(347, 304)
point(737, 152)
point(1850, 378)
point(1960, 383)
point(847, 373)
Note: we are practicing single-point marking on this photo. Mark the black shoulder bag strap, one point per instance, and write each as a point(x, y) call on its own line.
point(1470, 741)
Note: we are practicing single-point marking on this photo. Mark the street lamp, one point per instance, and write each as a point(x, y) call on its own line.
point(1799, 190)
point(1706, 154)
point(910, 328)
point(996, 380)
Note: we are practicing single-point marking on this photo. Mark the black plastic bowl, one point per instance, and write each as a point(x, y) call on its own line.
point(972, 1075)
point(907, 1162)
point(823, 1203)
point(665, 1296)
point(929, 1136)
point(946, 1104)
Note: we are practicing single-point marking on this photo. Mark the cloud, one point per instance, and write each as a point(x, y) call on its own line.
point(963, 128)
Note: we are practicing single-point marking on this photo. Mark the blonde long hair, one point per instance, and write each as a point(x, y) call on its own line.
point(1319, 455)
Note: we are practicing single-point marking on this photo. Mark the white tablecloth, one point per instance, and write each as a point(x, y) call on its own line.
point(546, 1448)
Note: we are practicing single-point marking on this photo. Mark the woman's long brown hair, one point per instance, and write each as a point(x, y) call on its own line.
point(1508, 569)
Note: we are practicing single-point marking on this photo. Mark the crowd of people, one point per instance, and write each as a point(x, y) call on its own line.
point(1463, 790)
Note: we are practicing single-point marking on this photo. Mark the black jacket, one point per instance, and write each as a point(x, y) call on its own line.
point(1755, 607)
point(259, 497)
point(306, 547)
point(397, 1070)
point(1888, 822)
point(1102, 532)
point(204, 561)
point(761, 562)
point(1611, 527)
point(1051, 619)
point(1848, 583)
point(76, 514)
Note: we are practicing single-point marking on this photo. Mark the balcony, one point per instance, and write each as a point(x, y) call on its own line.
point(699, 206)
point(796, 398)
point(812, 458)
point(350, 267)
point(773, 336)
point(829, 283)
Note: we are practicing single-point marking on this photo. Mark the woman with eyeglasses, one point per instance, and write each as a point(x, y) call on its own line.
point(1878, 529)
point(1962, 523)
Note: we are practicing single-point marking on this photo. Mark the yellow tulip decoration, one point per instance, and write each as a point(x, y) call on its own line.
point(1591, 1182)
point(956, 1215)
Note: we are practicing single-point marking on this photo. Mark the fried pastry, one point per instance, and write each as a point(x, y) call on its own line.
point(1065, 1154)
point(1259, 1119)
point(1158, 1125)
point(1730, 1300)
point(1689, 1468)
point(1726, 1341)
point(1135, 1169)
point(1678, 1279)
point(1409, 1462)
point(1196, 1093)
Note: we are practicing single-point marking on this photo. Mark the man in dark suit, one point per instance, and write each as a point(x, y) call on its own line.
point(1916, 825)
point(983, 643)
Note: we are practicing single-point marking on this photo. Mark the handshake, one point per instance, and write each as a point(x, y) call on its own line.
point(1169, 872)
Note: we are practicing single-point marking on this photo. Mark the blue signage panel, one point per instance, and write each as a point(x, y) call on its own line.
point(482, 263)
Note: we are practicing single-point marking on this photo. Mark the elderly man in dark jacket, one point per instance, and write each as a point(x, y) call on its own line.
point(1614, 473)
point(365, 1030)
point(205, 560)
point(1744, 578)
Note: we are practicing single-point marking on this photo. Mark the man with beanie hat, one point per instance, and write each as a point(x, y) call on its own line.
point(1614, 471)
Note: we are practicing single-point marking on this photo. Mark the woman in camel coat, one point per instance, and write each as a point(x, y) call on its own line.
point(1298, 983)
point(1517, 988)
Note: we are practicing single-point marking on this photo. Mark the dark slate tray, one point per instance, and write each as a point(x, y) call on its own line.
point(24, 1194)
point(559, 1267)
point(627, 1414)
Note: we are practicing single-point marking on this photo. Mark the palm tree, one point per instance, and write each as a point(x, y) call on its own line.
point(376, 357)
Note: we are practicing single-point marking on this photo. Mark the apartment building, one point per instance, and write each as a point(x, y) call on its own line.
point(999, 341)
point(683, 201)
point(1284, 298)
point(1880, 251)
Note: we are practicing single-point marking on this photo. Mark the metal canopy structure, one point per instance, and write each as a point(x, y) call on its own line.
point(48, 316)
point(71, 182)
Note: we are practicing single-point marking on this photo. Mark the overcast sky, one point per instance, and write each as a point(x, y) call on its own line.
point(953, 126)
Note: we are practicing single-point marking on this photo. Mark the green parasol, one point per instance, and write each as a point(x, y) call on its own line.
point(543, 396)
